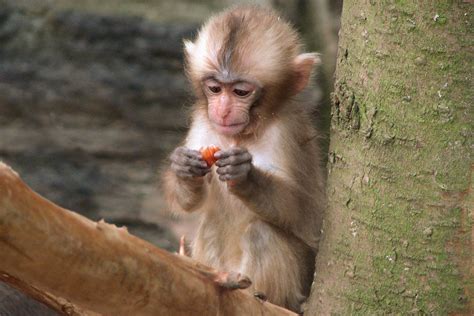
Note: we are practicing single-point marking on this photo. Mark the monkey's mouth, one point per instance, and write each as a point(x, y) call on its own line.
point(230, 129)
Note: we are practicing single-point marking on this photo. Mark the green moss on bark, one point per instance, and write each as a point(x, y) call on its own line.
point(396, 235)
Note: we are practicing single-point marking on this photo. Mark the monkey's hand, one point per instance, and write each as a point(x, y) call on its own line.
point(188, 164)
point(233, 165)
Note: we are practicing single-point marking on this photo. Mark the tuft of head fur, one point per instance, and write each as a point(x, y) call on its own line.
point(246, 42)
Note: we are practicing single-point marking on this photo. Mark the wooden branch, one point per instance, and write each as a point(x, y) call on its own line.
point(102, 268)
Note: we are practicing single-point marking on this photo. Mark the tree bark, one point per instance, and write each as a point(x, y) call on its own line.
point(398, 231)
point(102, 268)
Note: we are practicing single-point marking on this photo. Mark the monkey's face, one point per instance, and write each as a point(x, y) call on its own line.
point(229, 104)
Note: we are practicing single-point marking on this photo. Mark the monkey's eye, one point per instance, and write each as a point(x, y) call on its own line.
point(241, 93)
point(214, 89)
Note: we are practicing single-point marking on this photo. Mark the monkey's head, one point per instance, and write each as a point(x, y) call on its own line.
point(244, 65)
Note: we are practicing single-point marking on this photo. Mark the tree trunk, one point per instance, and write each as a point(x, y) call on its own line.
point(397, 233)
point(57, 255)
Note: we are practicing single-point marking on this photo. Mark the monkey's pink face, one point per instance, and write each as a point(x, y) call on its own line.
point(229, 104)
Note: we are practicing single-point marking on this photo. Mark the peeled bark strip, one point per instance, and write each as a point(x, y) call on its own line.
point(102, 268)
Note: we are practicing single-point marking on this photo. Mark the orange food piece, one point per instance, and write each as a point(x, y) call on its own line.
point(208, 154)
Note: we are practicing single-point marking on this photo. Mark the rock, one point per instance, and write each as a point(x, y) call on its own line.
point(89, 107)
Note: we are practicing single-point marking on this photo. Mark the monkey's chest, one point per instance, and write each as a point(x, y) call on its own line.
point(218, 244)
point(224, 218)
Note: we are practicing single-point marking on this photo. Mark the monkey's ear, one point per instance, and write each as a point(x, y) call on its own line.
point(188, 47)
point(303, 66)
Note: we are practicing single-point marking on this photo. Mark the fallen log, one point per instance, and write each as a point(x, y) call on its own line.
point(99, 267)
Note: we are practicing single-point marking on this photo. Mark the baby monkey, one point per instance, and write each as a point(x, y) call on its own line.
point(261, 203)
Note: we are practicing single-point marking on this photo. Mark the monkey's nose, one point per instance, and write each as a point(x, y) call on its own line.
point(223, 111)
point(224, 105)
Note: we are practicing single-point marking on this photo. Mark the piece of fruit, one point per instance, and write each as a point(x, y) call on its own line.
point(208, 154)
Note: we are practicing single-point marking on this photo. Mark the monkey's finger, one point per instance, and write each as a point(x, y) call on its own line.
point(234, 159)
point(186, 161)
point(194, 154)
point(195, 163)
point(184, 151)
point(200, 172)
point(229, 177)
point(189, 171)
point(230, 152)
point(242, 169)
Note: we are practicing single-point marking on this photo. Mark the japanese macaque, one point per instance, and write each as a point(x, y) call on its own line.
point(261, 202)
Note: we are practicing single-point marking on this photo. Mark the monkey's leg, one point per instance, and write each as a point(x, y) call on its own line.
point(229, 280)
point(272, 264)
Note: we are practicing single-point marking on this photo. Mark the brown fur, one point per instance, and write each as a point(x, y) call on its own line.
point(267, 226)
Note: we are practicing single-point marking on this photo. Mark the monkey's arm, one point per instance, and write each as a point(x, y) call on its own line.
point(282, 200)
point(183, 182)
point(270, 197)
point(183, 195)
point(273, 198)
